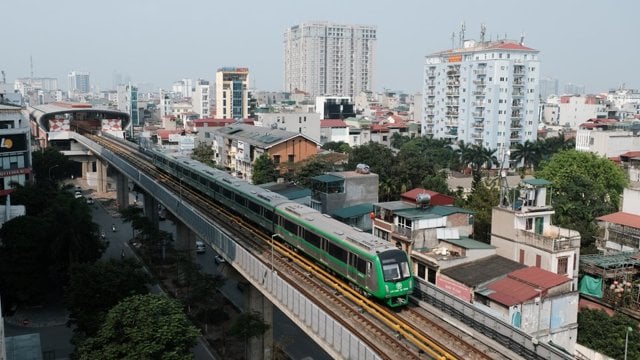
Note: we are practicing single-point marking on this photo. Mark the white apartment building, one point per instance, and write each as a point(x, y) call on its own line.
point(576, 109)
point(608, 139)
point(201, 99)
point(78, 83)
point(166, 105)
point(484, 93)
point(232, 93)
point(324, 58)
point(307, 123)
point(182, 88)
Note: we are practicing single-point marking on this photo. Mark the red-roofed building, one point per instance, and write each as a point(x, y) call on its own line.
point(435, 197)
point(536, 301)
point(333, 130)
point(620, 230)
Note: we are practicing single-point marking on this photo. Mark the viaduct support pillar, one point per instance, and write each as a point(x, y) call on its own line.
point(150, 208)
point(261, 347)
point(122, 188)
point(186, 239)
point(101, 169)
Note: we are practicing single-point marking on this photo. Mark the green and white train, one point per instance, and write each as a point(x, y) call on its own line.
point(372, 265)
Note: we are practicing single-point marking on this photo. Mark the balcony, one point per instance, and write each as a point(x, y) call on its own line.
point(431, 73)
point(476, 135)
point(516, 117)
point(430, 93)
point(478, 125)
point(477, 114)
point(453, 83)
point(516, 105)
point(453, 72)
point(518, 84)
point(557, 239)
point(430, 103)
point(430, 83)
point(403, 231)
point(479, 92)
point(515, 136)
point(452, 113)
point(429, 113)
point(453, 93)
point(516, 125)
point(479, 82)
point(452, 103)
point(518, 94)
point(481, 72)
point(478, 104)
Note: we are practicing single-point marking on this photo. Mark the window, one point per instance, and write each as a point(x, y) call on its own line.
point(290, 226)
point(422, 271)
point(529, 224)
point(563, 265)
point(538, 261)
point(276, 159)
point(521, 256)
point(312, 238)
point(291, 158)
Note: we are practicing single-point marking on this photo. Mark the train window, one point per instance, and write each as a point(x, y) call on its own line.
point(203, 180)
point(268, 214)
point(213, 186)
point(312, 238)
point(241, 200)
point(227, 193)
point(290, 226)
point(338, 252)
point(361, 265)
point(194, 175)
point(254, 207)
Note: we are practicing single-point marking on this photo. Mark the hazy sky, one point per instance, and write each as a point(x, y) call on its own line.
point(594, 43)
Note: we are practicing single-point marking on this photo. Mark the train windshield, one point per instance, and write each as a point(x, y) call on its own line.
point(395, 266)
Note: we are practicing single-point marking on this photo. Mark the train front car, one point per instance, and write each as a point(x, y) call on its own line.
point(394, 271)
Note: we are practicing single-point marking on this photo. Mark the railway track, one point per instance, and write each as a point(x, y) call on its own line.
point(404, 335)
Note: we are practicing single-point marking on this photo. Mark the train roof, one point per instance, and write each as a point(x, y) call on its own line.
point(251, 191)
point(335, 229)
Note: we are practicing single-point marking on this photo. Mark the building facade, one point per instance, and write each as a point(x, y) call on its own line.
point(323, 58)
point(301, 122)
point(522, 231)
point(576, 109)
point(232, 93)
point(78, 83)
point(483, 93)
point(128, 102)
point(201, 99)
point(15, 148)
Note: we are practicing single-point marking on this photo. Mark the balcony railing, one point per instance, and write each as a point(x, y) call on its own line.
point(478, 103)
point(564, 239)
point(453, 93)
point(478, 92)
point(403, 231)
point(517, 93)
point(516, 125)
point(477, 114)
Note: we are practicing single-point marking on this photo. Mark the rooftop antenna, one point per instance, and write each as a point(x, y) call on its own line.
point(462, 29)
point(504, 184)
point(483, 31)
point(453, 40)
point(522, 38)
point(31, 65)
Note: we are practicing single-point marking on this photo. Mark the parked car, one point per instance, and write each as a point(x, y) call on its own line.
point(90, 201)
point(77, 194)
point(200, 247)
point(219, 259)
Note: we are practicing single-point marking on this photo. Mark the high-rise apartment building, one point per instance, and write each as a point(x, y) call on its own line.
point(232, 93)
point(128, 102)
point(483, 93)
point(79, 83)
point(329, 59)
point(201, 99)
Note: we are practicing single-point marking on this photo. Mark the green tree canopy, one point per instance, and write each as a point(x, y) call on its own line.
point(584, 186)
point(93, 289)
point(264, 170)
point(50, 164)
point(606, 334)
point(142, 327)
point(484, 196)
point(204, 153)
point(379, 158)
point(337, 146)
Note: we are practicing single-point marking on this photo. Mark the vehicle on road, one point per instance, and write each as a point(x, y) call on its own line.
point(200, 247)
point(90, 201)
point(77, 194)
point(219, 259)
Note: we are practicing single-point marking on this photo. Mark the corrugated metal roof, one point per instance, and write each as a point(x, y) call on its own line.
point(622, 218)
point(537, 182)
point(611, 261)
point(538, 277)
point(430, 212)
point(353, 211)
point(510, 291)
point(468, 243)
point(327, 178)
point(482, 271)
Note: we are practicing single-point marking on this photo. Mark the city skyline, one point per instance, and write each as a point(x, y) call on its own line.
point(159, 42)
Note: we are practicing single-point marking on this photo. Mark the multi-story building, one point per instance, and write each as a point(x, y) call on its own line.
point(521, 230)
point(483, 93)
point(576, 109)
point(237, 146)
point(608, 137)
point(232, 93)
point(182, 88)
point(620, 231)
point(201, 99)
point(128, 102)
point(324, 58)
point(548, 86)
point(307, 123)
point(15, 148)
point(78, 83)
point(334, 107)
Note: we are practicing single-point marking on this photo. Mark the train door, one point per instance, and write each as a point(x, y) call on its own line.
point(351, 269)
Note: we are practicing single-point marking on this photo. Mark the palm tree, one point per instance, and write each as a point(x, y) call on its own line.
point(526, 152)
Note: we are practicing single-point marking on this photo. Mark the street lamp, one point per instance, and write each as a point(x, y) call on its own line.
point(273, 238)
point(51, 168)
point(626, 341)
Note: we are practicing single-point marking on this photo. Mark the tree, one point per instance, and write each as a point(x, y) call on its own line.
point(93, 289)
point(379, 158)
point(484, 196)
point(337, 146)
point(204, 153)
point(524, 152)
point(606, 334)
point(51, 165)
point(247, 326)
point(398, 140)
point(313, 167)
point(584, 187)
point(142, 327)
point(437, 183)
point(264, 170)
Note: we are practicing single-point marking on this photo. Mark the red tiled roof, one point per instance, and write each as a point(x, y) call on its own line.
point(539, 278)
point(510, 46)
point(631, 154)
point(164, 134)
point(622, 218)
point(332, 123)
point(436, 197)
point(510, 291)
